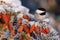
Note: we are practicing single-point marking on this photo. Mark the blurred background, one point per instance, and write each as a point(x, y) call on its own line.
point(52, 7)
